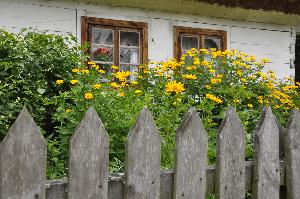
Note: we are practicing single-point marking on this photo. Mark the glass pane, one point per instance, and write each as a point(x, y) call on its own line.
point(102, 36)
point(129, 38)
point(189, 42)
point(212, 42)
point(129, 55)
point(102, 53)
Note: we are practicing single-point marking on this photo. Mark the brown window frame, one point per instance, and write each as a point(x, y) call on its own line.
point(180, 30)
point(88, 22)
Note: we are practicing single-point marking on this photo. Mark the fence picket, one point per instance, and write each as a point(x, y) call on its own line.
point(292, 147)
point(142, 168)
point(266, 175)
point(230, 177)
point(23, 160)
point(191, 158)
point(88, 161)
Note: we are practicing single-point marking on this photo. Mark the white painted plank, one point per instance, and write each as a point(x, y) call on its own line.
point(15, 15)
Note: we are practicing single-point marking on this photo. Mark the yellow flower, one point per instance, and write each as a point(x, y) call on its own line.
point(114, 67)
point(214, 98)
point(265, 60)
point(68, 110)
point(88, 96)
point(204, 63)
point(189, 76)
point(174, 86)
point(250, 105)
point(243, 80)
point(122, 75)
point(101, 71)
point(114, 85)
point(91, 63)
point(133, 82)
point(86, 71)
point(138, 91)
point(212, 71)
point(236, 101)
point(59, 81)
point(196, 61)
point(75, 70)
point(215, 80)
point(122, 94)
point(190, 67)
point(208, 86)
point(239, 72)
point(97, 86)
point(74, 81)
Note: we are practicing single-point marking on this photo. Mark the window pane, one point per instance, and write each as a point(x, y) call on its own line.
point(102, 36)
point(129, 55)
point(102, 53)
point(129, 38)
point(212, 42)
point(188, 42)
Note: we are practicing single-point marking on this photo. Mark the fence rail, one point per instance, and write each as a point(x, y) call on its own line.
point(23, 161)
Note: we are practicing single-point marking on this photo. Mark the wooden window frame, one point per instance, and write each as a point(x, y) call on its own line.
point(180, 30)
point(88, 22)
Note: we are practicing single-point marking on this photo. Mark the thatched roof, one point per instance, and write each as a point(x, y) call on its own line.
point(286, 6)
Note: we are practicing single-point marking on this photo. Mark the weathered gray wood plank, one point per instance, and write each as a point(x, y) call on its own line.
point(266, 175)
point(230, 176)
point(292, 151)
point(23, 160)
point(88, 161)
point(191, 158)
point(142, 166)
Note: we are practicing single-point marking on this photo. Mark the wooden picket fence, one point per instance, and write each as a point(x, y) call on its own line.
point(23, 160)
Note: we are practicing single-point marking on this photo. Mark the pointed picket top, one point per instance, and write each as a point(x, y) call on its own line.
point(88, 161)
point(191, 158)
point(230, 176)
point(23, 160)
point(266, 175)
point(142, 168)
point(292, 150)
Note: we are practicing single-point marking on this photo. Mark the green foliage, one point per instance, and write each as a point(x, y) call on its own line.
point(30, 62)
point(211, 81)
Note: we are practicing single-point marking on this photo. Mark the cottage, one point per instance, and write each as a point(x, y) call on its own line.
point(130, 32)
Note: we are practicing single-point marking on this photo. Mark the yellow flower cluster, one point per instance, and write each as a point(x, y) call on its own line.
point(59, 81)
point(214, 98)
point(173, 86)
point(122, 75)
point(189, 76)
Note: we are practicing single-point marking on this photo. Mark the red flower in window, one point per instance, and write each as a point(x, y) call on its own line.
point(101, 51)
point(101, 54)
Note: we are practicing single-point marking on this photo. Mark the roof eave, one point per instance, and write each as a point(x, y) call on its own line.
point(205, 9)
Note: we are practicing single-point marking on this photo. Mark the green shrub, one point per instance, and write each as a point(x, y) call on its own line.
point(30, 63)
point(211, 81)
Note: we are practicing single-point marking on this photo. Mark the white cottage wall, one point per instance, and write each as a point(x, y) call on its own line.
point(273, 41)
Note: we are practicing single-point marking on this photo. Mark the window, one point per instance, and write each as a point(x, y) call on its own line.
point(115, 42)
point(187, 38)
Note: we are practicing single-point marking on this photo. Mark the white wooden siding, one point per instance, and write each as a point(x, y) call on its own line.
point(275, 42)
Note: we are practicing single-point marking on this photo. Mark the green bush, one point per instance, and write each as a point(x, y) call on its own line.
point(209, 80)
point(30, 63)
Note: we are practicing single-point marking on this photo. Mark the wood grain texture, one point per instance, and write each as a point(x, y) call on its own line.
point(292, 151)
point(230, 176)
point(266, 174)
point(88, 161)
point(142, 162)
point(191, 158)
point(23, 160)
